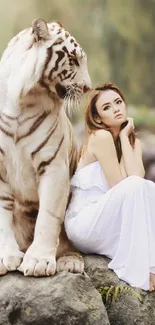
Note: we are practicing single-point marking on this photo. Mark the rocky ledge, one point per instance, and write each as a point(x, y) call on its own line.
point(124, 305)
point(96, 298)
point(65, 299)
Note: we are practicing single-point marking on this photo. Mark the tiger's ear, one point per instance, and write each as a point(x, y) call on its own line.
point(40, 29)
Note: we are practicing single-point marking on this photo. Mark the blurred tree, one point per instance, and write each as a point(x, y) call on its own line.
point(130, 44)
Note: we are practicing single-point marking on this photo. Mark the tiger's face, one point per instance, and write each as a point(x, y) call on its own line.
point(46, 55)
point(66, 64)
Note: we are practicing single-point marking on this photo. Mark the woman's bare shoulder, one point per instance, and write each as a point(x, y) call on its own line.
point(103, 148)
point(100, 136)
point(99, 140)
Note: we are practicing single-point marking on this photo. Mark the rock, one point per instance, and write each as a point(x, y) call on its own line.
point(65, 299)
point(127, 308)
point(71, 299)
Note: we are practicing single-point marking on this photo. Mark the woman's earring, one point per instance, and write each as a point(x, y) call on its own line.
point(97, 120)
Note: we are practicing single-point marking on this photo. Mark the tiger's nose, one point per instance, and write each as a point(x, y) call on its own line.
point(86, 89)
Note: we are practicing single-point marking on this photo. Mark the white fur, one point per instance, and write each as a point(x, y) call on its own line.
point(21, 68)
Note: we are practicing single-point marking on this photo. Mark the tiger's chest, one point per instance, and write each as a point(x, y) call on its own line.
point(17, 170)
point(23, 147)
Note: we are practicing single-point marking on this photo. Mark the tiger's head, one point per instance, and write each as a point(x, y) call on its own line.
point(45, 55)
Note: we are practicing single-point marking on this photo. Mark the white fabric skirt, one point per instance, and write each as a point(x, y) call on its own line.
point(120, 225)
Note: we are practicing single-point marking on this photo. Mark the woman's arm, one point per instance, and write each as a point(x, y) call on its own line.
point(132, 156)
point(101, 144)
point(122, 167)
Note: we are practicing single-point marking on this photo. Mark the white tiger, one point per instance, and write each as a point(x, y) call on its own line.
point(42, 69)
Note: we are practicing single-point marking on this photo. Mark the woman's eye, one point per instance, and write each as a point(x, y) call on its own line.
point(119, 101)
point(106, 107)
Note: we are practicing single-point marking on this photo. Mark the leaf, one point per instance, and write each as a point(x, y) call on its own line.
point(113, 292)
point(116, 292)
point(109, 292)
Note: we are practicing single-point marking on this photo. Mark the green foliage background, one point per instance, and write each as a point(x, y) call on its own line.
point(117, 35)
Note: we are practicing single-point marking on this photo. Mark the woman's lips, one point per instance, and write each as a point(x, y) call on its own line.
point(118, 116)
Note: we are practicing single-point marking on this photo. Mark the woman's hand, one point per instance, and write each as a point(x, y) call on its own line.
point(128, 129)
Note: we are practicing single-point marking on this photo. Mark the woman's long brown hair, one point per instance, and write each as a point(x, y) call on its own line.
point(91, 125)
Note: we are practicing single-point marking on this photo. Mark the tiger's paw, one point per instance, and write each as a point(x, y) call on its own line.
point(10, 254)
point(32, 266)
point(71, 262)
point(39, 260)
point(10, 262)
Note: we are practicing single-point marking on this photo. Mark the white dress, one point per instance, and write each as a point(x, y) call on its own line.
point(117, 222)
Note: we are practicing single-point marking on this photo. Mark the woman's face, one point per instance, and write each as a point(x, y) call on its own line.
point(111, 109)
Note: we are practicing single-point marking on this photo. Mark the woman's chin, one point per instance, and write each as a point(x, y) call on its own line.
point(119, 122)
point(122, 120)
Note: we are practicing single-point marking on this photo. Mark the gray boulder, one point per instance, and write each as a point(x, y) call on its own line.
point(72, 299)
point(65, 299)
point(129, 307)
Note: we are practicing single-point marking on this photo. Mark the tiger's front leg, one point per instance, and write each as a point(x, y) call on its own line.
point(40, 258)
point(10, 254)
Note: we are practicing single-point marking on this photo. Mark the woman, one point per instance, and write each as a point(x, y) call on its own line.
point(112, 210)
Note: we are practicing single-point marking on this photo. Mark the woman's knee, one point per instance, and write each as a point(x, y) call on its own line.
point(132, 184)
point(135, 183)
